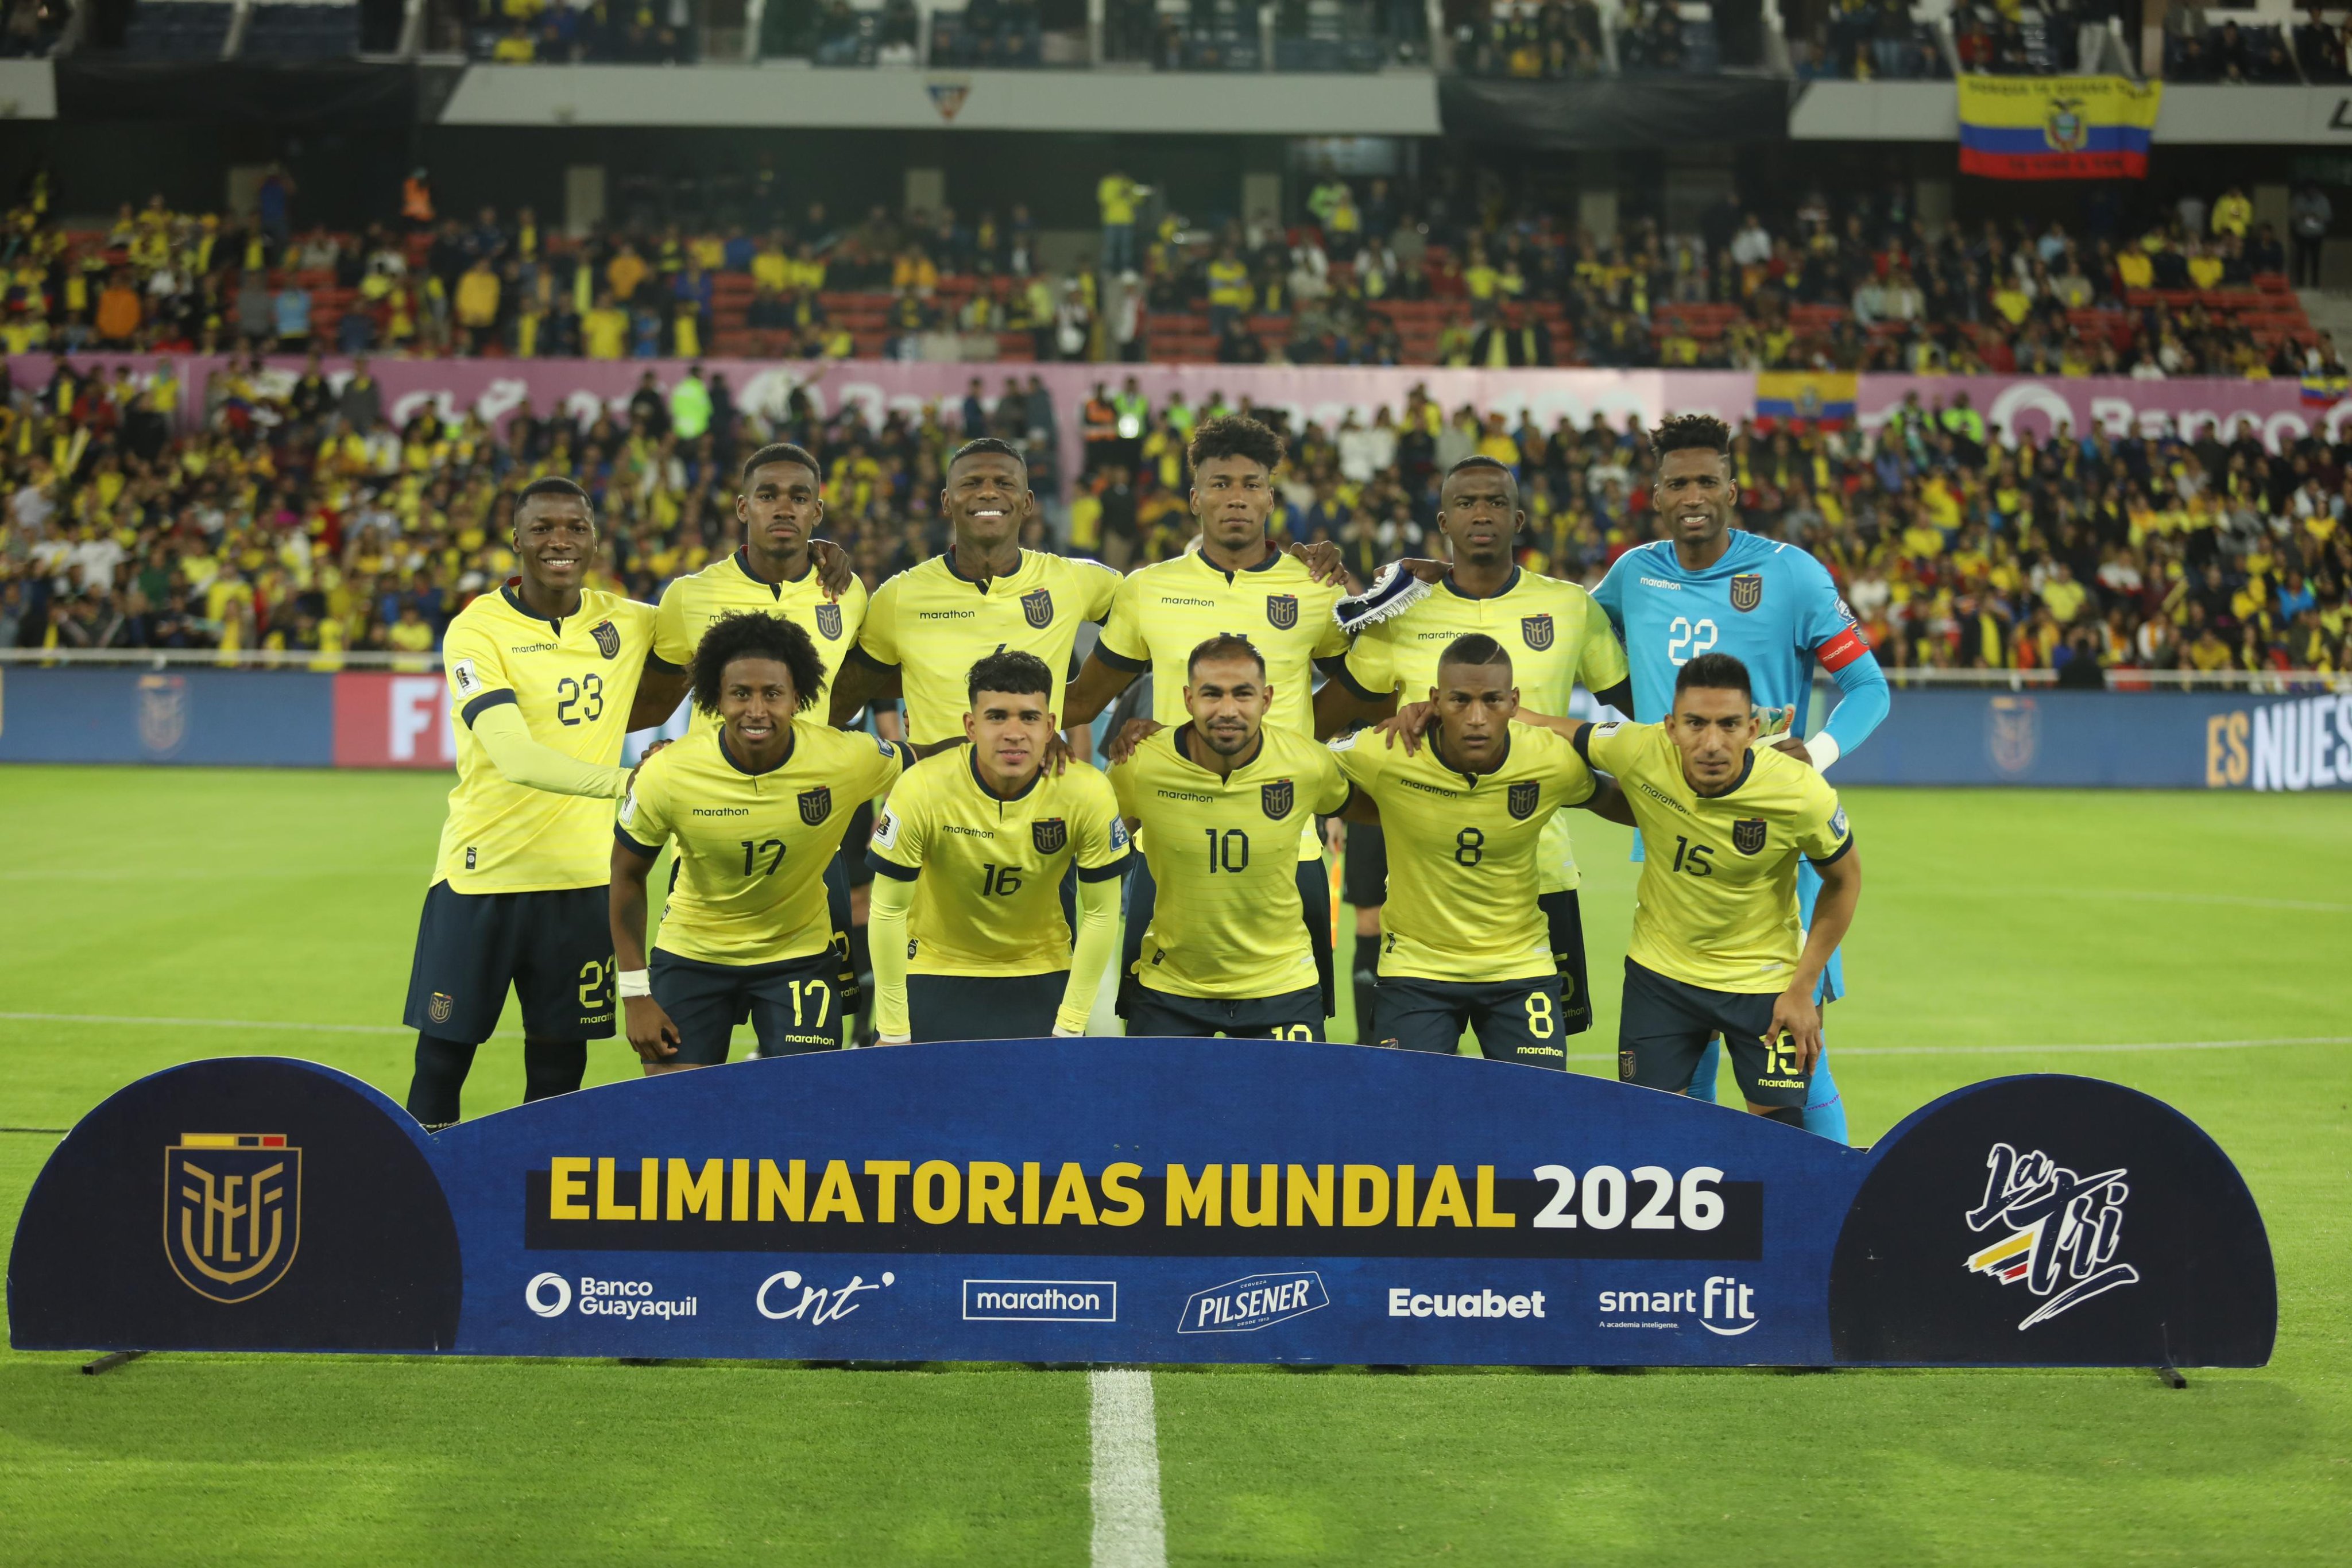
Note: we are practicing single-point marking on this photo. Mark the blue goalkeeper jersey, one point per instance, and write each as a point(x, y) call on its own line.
point(1769, 605)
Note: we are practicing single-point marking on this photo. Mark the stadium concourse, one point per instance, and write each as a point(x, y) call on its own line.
point(278, 507)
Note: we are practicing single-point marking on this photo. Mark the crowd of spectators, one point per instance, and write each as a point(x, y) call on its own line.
point(1556, 38)
point(290, 513)
point(2197, 48)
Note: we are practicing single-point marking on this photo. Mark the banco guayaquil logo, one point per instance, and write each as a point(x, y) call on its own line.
point(232, 1211)
point(2063, 1230)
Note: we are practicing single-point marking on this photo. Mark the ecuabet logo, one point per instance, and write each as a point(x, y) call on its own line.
point(2063, 1230)
point(232, 1211)
point(1252, 1302)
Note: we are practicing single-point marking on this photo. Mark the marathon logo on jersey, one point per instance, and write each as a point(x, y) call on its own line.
point(1537, 631)
point(1520, 800)
point(1282, 611)
point(1049, 835)
point(1748, 835)
point(829, 621)
point(1038, 606)
point(2063, 1230)
point(608, 639)
point(816, 805)
point(232, 1212)
point(1746, 591)
point(1252, 1302)
point(1276, 798)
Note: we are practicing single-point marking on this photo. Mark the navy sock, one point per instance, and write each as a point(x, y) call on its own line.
point(553, 1067)
point(433, 1090)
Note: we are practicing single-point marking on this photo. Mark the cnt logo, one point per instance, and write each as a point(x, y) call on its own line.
point(2063, 1230)
point(815, 1304)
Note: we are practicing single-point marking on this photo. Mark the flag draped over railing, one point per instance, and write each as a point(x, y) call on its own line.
point(2057, 128)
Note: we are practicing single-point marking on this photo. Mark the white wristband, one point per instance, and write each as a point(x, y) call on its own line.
point(634, 983)
point(1824, 750)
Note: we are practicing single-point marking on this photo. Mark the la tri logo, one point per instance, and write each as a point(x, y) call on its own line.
point(2063, 1230)
point(232, 1212)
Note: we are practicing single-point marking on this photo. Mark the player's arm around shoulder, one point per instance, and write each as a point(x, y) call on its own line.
point(1360, 766)
point(1099, 826)
point(902, 830)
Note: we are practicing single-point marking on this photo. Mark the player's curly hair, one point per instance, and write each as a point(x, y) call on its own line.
point(1009, 671)
point(781, 452)
point(1686, 431)
point(755, 635)
point(1236, 436)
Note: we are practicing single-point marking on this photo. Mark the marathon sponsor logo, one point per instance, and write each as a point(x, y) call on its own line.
point(1404, 1302)
point(1196, 603)
point(532, 648)
point(1661, 797)
point(946, 615)
point(1192, 795)
point(716, 811)
point(1041, 1301)
point(1252, 1302)
point(1426, 789)
point(967, 832)
point(552, 1295)
point(1662, 583)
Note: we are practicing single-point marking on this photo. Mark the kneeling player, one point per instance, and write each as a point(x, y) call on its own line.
point(757, 807)
point(969, 938)
point(1218, 800)
point(1717, 943)
point(1464, 814)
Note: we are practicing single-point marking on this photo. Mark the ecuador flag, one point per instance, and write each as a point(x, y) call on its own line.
point(1785, 397)
point(2056, 128)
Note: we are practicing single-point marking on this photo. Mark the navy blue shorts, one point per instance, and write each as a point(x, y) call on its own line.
point(1515, 1020)
point(794, 1006)
point(1295, 1015)
point(554, 948)
point(983, 1007)
point(1666, 1023)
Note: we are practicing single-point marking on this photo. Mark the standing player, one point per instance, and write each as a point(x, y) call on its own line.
point(757, 806)
point(1218, 800)
point(1463, 814)
point(929, 625)
point(1554, 638)
point(1719, 944)
point(1238, 584)
point(1708, 587)
point(970, 941)
point(777, 572)
point(542, 676)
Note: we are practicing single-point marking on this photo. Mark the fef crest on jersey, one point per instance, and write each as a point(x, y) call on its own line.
point(1276, 799)
point(608, 639)
point(1537, 631)
point(1049, 835)
point(1037, 604)
point(1746, 591)
point(1521, 799)
point(829, 621)
point(1282, 611)
point(1748, 835)
point(816, 805)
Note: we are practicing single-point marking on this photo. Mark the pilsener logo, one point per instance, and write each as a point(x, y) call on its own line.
point(1252, 1303)
point(1041, 1301)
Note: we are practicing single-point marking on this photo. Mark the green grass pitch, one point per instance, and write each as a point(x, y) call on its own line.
point(1991, 921)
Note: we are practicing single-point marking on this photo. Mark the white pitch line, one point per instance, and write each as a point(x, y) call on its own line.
point(1130, 1532)
point(206, 1023)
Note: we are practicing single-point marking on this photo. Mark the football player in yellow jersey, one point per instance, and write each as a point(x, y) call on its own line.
point(970, 941)
point(1463, 814)
point(542, 676)
point(1556, 637)
point(1219, 799)
point(782, 568)
point(757, 807)
point(925, 627)
point(1240, 583)
point(1718, 943)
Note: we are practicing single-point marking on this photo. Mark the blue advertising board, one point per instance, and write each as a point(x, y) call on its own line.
point(1139, 1200)
point(181, 713)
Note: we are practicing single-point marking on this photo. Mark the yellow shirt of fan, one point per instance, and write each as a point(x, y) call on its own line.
point(1228, 922)
point(1463, 849)
point(1557, 638)
point(988, 872)
point(692, 605)
point(934, 625)
point(1716, 905)
point(752, 847)
point(573, 679)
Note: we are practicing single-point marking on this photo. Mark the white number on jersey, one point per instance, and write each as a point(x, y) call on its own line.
point(1686, 640)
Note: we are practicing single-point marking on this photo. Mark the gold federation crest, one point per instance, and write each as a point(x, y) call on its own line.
point(232, 1212)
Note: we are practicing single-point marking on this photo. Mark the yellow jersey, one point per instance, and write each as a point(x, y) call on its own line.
point(690, 605)
point(988, 872)
point(1227, 922)
point(932, 625)
point(1716, 905)
point(573, 679)
point(1462, 853)
point(1557, 638)
point(1164, 612)
point(749, 886)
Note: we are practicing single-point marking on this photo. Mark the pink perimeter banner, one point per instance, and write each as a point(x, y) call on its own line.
point(496, 388)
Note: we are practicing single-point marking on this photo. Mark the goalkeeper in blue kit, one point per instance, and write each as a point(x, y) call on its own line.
point(1706, 587)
